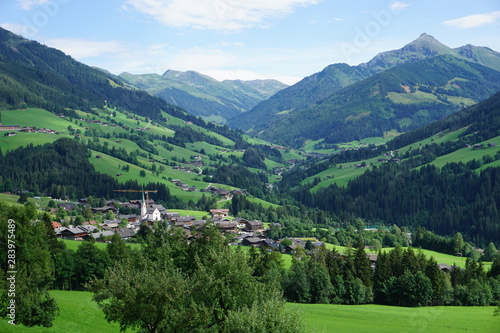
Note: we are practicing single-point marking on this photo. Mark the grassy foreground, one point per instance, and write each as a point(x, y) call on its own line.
point(377, 318)
point(80, 314)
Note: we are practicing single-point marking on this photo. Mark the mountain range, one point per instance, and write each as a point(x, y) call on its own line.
point(397, 90)
point(204, 96)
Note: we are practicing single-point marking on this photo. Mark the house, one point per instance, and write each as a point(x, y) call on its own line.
point(491, 145)
point(102, 234)
point(253, 225)
point(125, 233)
point(9, 127)
point(227, 226)
point(129, 217)
point(68, 206)
point(171, 216)
point(74, 233)
point(219, 212)
point(56, 225)
point(252, 241)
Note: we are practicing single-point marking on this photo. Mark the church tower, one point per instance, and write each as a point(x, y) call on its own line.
point(144, 209)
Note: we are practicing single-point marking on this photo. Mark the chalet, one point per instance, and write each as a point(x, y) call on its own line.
point(172, 216)
point(253, 225)
point(477, 146)
point(219, 212)
point(129, 217)
point(186, 219)
point(28, 129)
point(56, 225)
point(111, 224)
point(98, 156)
point(491, 145)
point(75, 233)
point(125, 233)
point(104, 209)
point(9, 127)
point(68, 206)
point(252, 241)
point(270, 244)
point(198, 223)
point(228, 226)
point(11, 134)
point(225, 194)
point(382, 160)
point(102, 234)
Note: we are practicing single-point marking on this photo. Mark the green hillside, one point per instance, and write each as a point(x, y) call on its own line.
point(106, 132)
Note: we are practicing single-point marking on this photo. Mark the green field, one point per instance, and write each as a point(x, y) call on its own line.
point(387, 319)
point(79, 314)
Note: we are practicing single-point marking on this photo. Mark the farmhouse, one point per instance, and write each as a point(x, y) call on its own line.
point(9, 127)
point(227, 226)
point(219, 212)
point(253, 225)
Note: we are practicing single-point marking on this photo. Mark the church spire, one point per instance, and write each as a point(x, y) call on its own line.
point(144, 209)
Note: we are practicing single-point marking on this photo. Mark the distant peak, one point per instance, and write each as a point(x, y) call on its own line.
point(425, 38)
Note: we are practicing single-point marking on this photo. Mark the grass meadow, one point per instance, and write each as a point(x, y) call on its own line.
point(79, 314)
point(371, 318)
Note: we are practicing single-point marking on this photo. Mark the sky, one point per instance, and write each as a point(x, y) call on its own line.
point(285, 40)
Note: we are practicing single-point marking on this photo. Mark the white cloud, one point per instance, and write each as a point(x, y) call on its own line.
point(28, 4)
point(215, 14)
point(473, 21)
point(398, 6)
point(83, 48)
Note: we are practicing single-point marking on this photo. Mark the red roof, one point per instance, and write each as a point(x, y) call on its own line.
point(56, 225)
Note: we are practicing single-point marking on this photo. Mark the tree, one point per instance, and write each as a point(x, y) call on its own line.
point(23, 198)
point(142, 173)
point(490, 253)
point(216, 290)
point(91, 263)
point(117, 249)
point(33, 265)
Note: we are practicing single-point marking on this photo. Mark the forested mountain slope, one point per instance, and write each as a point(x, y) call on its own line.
point(305, 109)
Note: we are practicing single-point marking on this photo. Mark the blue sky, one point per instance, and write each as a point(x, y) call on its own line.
point(245, 39)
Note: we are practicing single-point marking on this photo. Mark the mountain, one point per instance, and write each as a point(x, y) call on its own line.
point(204, 96)
point(32, 74)
point(444, 177)
point(402, 98)
point(378, 97)
point(302, 94)
point(425, 46)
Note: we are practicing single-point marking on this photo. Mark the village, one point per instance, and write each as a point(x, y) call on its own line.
point(239, 231)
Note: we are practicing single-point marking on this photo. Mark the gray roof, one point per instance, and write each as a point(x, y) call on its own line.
point(96, 235)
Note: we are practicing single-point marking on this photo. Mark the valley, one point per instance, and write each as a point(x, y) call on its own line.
point(374, 186)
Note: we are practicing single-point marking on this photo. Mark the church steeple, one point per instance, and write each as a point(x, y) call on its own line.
point(144, 209)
